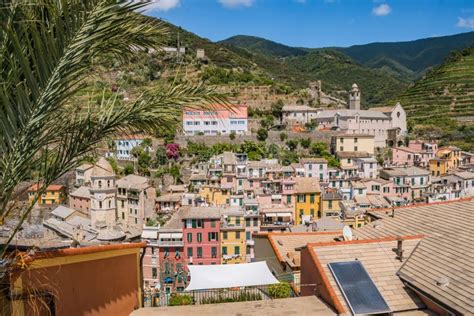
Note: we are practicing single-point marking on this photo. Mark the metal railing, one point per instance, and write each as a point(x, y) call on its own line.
point(157, 298)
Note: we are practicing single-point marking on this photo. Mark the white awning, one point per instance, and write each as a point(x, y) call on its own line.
point(276, 197)
point(221, 276)
point(177, 235)
point(165, 235)
point(285, 214)
point(270, 214)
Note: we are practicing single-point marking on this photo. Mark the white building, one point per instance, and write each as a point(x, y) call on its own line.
point(315, 168)
point(298, 114)
point(124, 146)
point(220, 120)
point(379, 122)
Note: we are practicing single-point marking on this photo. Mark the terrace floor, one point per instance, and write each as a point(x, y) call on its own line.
point(308, 305)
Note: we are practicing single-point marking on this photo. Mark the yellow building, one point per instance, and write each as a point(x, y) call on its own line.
point(233, 245)
point(353, 142)
point(330, 206)
point(55, 194)
point(447, 158)
point(215, 195)
point(308, 199)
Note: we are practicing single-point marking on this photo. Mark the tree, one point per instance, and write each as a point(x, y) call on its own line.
point(267, 122)
point(305, 142)
point(232, 135)
point(128, 169)
point(292, 144)
point(48, 49)
point(276, 109)
point(279, 290)
point(160, 156)
point(262, 134)
point(318, 149)
point(283, 136)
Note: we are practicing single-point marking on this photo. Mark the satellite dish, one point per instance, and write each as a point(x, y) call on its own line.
point(347, 233)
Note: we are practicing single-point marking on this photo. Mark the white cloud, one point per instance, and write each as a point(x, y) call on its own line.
point(163, 5)
point(466, 23)
point(236, 3)
point(382, 10)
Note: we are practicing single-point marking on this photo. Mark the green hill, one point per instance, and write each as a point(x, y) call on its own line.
point(409, 60)
point(263, 46)
point(447, 90)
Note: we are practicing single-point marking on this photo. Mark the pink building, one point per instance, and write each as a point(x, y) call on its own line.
point(379, 186)
point(218, 120)
point(420, 145)
point(80, 200)
point(201, 227)
point(406, 156)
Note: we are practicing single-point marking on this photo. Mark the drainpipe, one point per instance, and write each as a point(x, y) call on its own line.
point(142, 255)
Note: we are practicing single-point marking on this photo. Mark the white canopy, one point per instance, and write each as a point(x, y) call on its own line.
point(222, 276)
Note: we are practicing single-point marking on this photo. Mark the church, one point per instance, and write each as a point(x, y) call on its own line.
point(387, 124)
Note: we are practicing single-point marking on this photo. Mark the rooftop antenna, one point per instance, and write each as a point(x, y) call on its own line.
point(347, 233)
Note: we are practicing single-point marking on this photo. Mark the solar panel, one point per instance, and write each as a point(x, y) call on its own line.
point(359, 290)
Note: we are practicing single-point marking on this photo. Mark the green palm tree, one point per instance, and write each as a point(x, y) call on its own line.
point(47, 50)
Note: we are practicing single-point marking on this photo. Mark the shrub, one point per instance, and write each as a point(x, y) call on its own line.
point(283, 136)
point(262, 134)
point(232, 135)
point(279, 290)
point(305, 142)
point(180, 299)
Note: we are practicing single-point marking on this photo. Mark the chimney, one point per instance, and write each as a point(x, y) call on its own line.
point(393, 212)
point(400, 249)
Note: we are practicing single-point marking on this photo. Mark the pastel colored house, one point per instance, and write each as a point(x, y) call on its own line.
point(201, 230)
point(353, 142)
point(447, 158)
point(315, 168)
point(83, 174)
point(406, 156)
point(330, 205)
point(125, 144)
point(80, 199)
point(218, 120)
point(308, 197)
point(55, 194)
point(215, 195)
point(233, 238)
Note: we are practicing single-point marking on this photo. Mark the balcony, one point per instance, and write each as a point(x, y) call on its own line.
point(227, 226)
point(169, 243)
point(250, 242)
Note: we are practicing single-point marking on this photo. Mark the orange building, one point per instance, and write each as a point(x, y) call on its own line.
point(55, 194)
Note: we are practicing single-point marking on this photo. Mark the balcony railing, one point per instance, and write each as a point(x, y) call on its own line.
point(170, 243)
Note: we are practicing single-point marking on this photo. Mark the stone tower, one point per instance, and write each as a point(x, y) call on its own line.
point(103, 195)
point(354, 98)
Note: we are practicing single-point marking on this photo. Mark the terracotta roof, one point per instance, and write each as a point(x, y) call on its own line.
point(200, 212)
point(102, 168)
point(51, 187)
point(133, 181)
point(465, 175)
point(313, 160)
point(353, 154)
point(307, 185)
point(381, 264)
point(283, 243)
point(358, 135)
point(170, 197)
point(296, 108)
point(82, 192)
point(446, 252)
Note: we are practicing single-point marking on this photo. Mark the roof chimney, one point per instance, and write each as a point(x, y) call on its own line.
point(399, 250)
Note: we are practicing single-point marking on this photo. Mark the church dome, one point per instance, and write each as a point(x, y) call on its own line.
point(102, 168)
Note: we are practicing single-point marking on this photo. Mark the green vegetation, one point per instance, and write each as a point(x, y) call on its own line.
point(262, 134)
point(263, 46)
point(280, 290)
point(180, 299)
point(437, 104)
point(230, 297)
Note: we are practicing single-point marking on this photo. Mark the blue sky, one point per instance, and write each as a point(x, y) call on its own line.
point(319, 23)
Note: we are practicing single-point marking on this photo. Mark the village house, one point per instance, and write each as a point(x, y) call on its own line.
point(315, 168)
point(352, 143)
point(447, 158)
point(218, 120)
point(308, 198)
point(233, 238)
point(54, 194)
point(83, 174)
point(298, 115)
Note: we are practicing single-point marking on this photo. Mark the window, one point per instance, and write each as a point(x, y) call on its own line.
point(237, 250)
point(190, 237)
point(212, 236)
point(237, 221)
point(224, 235)
point(311, 198)
point(190, 252)
point(356, 148)
point(301, 213)
point(312, 212)
point(199, 252)
point(154, 273)
point(330, 204)
point(247, 222)
point(199, 237)
point(288, 199)
point(214, 252)
point(320, 167)
point(301, 198)
point(248, 236)
point(213, 223)
point(355, 140)
point(237, 235)
point(224, 250)
point(255, 221)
